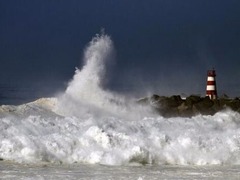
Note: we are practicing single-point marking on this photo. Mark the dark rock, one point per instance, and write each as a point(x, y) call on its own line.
point(155, 97)
point(234, 104)
point(192, 100)
point(174, 101)
point(192, 105)
point(204, 106)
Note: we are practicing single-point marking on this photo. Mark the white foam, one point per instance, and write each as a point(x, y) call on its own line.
point(199, 140)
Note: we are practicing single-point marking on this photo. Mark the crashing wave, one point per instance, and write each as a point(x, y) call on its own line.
point(88, 124)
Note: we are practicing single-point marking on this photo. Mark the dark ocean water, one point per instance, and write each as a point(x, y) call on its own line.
point(10, 94)
point(17, 93)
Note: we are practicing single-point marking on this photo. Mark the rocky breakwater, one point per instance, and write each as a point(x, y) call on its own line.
point(174, 106)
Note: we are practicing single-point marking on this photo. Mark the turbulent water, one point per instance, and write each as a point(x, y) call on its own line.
point(89, 124)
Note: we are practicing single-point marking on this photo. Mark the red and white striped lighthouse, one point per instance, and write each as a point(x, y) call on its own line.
point(211, 89)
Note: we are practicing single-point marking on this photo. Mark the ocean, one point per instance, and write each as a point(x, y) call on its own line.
point(90, 132)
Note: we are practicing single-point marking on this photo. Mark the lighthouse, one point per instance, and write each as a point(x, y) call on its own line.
point(211, 89)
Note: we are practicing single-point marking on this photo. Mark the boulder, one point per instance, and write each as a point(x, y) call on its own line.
point(192, 105)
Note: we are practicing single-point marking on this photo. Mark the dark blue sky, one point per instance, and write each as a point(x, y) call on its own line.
point(162, 46)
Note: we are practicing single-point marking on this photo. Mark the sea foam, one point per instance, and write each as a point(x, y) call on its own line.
point(89, 124)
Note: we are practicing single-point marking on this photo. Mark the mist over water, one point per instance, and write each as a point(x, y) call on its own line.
point(89, 124)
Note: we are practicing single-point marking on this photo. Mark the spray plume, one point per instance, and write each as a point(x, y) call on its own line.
point(86, 91)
